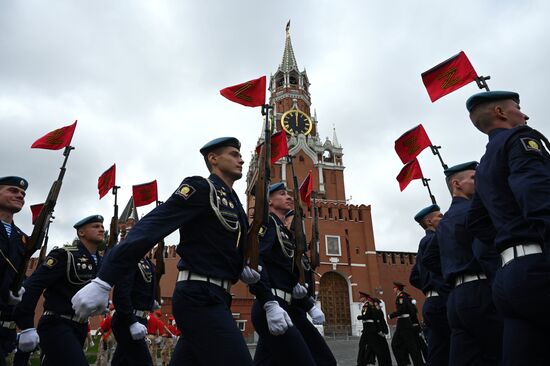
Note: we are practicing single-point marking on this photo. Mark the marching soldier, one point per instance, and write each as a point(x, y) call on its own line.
point(12, 199)
point(133, 297)
point(404, 341)
point(371, 336)
point(383, 331)
point(281, 341)
point(300, 308)
point(511, 209)
point(361, 353)
point(213, 227)
point(431, 283)
point(105, 341)
point(63, 273)
point(468, 265)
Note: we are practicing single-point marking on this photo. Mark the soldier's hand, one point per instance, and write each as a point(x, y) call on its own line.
point(138, 331)
point(317, 316)
point(91, 299)
point(278, 320)
point(16, 299)
point(28, 340)
point(299, 291)
point(250, 276)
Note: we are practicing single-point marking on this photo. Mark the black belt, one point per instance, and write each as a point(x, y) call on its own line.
point(73, 318)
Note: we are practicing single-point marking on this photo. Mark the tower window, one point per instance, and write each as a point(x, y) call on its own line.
point(280, 81)
point(292, 80)
point(333, 245)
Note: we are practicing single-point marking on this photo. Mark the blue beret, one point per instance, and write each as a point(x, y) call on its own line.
point(471, 165)
point(14, 181)
point(220, 142)
point(88, 220)
point(276, 187)
point(490, 96)
point(425, 211)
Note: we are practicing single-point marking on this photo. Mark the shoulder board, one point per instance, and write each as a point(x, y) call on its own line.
point(190, 185)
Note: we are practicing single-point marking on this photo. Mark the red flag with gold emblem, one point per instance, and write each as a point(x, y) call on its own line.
point(57, 139)
point(145, 194)
point(306, 188)
point(279, 146)
point(448, 76)
point(36, 209)
point(250, 94)
point(410, 172)
point(411, 143)
point(106, 181)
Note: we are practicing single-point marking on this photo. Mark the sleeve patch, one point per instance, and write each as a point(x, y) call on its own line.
point(50, 262)
point(531, 145)
point(185, 191)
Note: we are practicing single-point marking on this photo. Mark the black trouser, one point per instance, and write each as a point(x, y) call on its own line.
point(286, 349)
point(7, 343)
point(476, 328)
point(129, 352)
point(361, 353)
point(209, 334)
point(437, 330)
point(377, 345)
point(61, 341)
point(404, 342)
point(521, 292)
point(315, 342)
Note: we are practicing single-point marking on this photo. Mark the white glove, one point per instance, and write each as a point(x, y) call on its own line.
point(250, 276)
point(28, 340)
point(158, 339)
point(156, 305)
point(317, 316)
point(278, 320)
point(299, 291)
point(138, 331)
point(91, 299)
point(16, 299)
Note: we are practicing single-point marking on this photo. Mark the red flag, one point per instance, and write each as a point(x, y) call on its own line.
point(145, 193)
point(306, 188)
point(411, 143)
point(36, 209)
point(57, 139)
point(448, 76)
point(279, 146)
point(250, 94)
point(106, 181)
point(410, 171)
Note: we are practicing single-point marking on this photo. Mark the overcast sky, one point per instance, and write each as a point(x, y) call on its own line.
point(142, 79)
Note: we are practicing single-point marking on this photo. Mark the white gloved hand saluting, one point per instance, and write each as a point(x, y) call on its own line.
point(28, 340)
point(317, 316)
point(16, 299)
point(91, 299)
point(278, 320)
point(138, 331)
point(299, 291)
point(250, 276)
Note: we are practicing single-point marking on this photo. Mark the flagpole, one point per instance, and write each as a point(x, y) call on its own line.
point(425, 184)
point(481, 82)
point(435, 151)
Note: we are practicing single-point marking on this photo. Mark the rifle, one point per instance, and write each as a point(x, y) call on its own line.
point(159, 264)
point(41, 224)
point(42, 255)
point(113, 228)
point(298, 226)
point(314, 244)
point(261, 210)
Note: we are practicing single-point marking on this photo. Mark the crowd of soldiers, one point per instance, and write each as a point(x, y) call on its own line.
point(76, 281)
point(483, 265)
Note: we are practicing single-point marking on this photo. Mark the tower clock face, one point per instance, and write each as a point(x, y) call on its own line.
point(295, 122)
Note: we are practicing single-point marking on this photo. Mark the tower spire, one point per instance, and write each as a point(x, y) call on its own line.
point(289, 60)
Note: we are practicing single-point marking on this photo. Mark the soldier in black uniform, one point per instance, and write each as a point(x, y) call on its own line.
point(432, 284)
point(371, 334)
point(134, 298)
point(12, 199)
point(511, 209)
point(281, 342)
point(361, 353)
point(300, 308)
point(63, 273)
point(404, 341)
point(383, 330)
point(213, 227)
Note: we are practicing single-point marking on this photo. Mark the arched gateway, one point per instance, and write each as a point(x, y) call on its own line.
point(334, 297)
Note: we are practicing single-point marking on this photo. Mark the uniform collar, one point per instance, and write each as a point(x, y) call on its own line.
point(495, 132)
point(429, 231)
point(459, 199)
point(214, 178)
